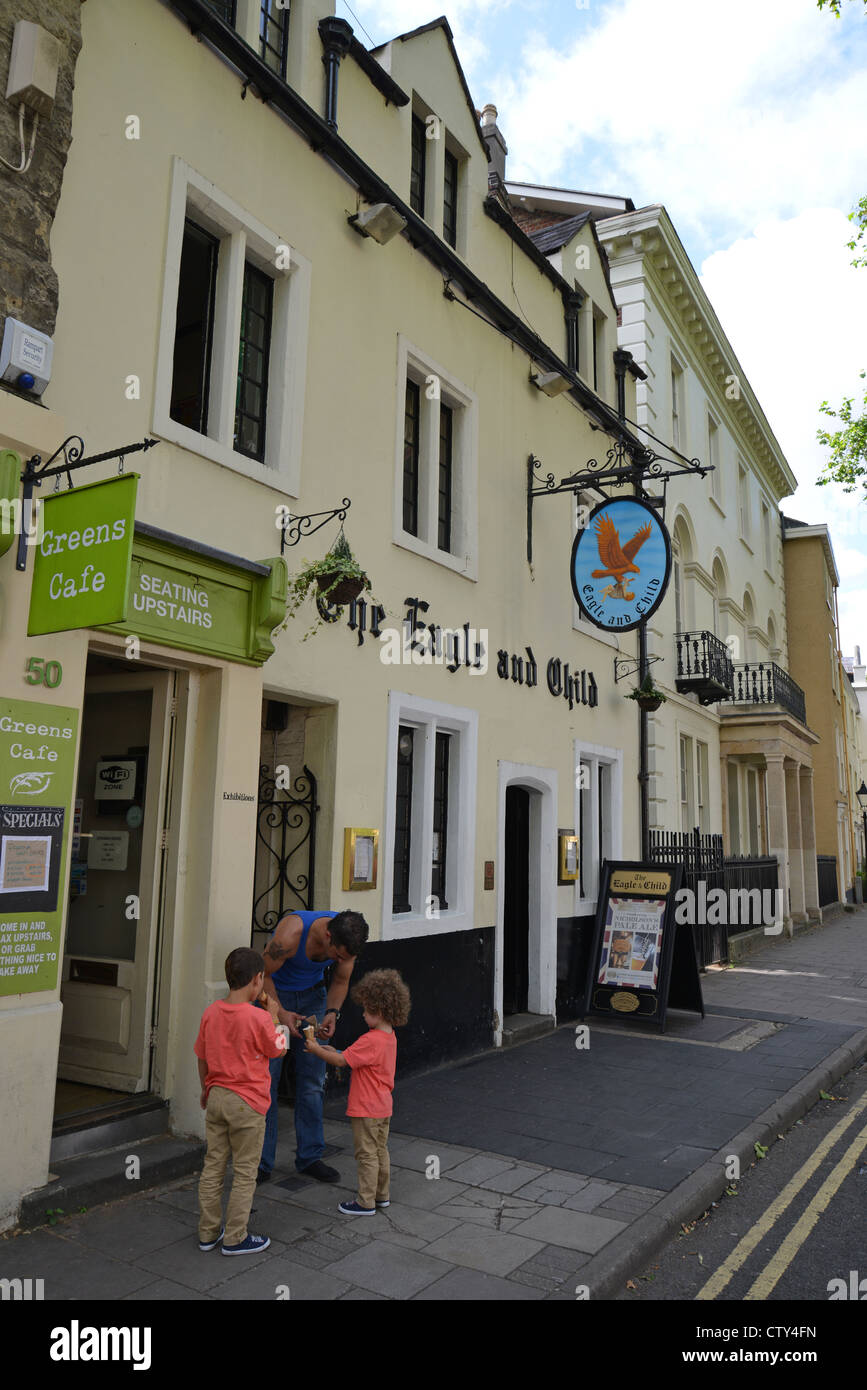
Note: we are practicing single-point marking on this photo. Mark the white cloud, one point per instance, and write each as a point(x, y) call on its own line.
point(724, 112)
point(794, 311)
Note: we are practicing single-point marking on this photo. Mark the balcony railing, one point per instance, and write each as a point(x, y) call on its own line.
point(704, 667)
point(765, 683)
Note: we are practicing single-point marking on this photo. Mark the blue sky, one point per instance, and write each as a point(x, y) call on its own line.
point(747, 119)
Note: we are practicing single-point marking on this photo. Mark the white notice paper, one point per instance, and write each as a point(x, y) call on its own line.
point(108, 849)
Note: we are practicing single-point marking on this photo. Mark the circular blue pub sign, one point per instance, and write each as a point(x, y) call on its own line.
point(621, 562)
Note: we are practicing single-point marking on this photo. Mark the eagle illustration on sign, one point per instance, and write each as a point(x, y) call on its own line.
point(633, 590)
point(617, 559)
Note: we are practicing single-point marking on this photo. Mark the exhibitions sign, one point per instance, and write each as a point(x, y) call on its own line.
point(642, 961)
point(81, 569)
point(37, 761)
point(621, 561)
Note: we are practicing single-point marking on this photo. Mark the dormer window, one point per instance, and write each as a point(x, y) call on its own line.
point(450, 199)
point(274, 34)
point(418, 166)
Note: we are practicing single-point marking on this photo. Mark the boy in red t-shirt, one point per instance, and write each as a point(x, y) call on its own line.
point(384, 998)
point(235, 1042)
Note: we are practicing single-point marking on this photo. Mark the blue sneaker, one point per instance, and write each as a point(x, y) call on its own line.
point(353, 1209)
point(386, 1203)
point(253, 1245)
point(209, 1244)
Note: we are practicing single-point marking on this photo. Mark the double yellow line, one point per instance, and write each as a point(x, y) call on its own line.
point(780, 1261)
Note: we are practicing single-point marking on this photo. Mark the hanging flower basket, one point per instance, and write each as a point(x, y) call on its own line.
point(646, 695)
point(337, 579)
point(337, 588)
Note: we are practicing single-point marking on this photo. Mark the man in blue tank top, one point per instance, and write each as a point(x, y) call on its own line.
point(303, 944)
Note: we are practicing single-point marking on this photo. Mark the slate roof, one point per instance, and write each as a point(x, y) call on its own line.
point(551, 238)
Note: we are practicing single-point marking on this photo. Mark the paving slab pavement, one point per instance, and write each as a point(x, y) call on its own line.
point(529, 1173)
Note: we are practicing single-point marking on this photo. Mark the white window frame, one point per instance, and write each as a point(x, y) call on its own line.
point(464, 556)
point(457, 151)
point(713, 457)
point(686, 783)
point(745, 510)
point(242, 238)
point(678, 401)
point(702, 785)
point(766, 532)
point(595, 754)
point(430, 716)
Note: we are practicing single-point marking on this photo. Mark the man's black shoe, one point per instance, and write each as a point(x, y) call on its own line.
point(321, 1172)
point(263, 1175)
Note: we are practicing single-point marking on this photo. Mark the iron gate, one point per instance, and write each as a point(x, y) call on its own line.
point(285, 848)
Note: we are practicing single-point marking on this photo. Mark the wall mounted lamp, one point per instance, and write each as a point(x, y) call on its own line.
point(380, 221)
point(552, 383)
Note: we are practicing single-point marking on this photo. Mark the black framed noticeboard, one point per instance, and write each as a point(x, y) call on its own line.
point(642, 962)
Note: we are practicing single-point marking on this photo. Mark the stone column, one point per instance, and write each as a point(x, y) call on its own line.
point(796, 844)
point(808, 832)
point(778, 828)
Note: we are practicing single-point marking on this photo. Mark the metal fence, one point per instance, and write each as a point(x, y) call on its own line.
point(704, 863)
point(826, 866)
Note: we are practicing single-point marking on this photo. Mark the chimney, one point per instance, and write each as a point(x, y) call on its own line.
point(497, 150)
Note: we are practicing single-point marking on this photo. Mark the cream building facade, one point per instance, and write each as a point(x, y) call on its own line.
point(215, 295)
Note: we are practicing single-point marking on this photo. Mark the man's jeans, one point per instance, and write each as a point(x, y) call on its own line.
point(309, 1087)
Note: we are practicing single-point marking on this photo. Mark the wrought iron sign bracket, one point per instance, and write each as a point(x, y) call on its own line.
point(298, 526)
point(619, 470)
point(35, 470)
point(629, 666)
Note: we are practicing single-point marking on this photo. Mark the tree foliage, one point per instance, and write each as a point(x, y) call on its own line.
point(847, 463)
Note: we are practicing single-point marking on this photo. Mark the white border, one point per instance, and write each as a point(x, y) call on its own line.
point(542, 946)
point(248, 239)
point(598, 753)
point(404, 708)
point(465, 465)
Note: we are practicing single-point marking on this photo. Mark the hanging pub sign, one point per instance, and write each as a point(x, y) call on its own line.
point(621, 561)
point(81, 569)
point(642, 961)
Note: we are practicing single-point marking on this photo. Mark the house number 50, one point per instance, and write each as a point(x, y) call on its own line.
point(41, 672)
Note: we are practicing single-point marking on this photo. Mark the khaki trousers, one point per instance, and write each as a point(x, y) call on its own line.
point(371, 1155)
point(232, 1127)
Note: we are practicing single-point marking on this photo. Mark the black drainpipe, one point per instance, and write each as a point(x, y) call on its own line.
point(336, 36)
point(622, 358)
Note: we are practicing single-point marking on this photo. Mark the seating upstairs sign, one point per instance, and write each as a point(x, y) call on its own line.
point(186, 594)
point(82, 565)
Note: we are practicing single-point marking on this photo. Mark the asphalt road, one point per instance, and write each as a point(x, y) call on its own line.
point(793, 1224)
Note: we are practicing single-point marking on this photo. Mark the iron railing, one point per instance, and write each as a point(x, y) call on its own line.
point(765, 683)
point(704, 666)
point(702, 860)
point(704, 863)
point(826, 869)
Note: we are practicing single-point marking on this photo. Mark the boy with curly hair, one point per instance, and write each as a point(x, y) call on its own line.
point(384, 998)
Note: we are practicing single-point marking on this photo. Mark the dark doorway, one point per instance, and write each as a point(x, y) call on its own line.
point(516, 902)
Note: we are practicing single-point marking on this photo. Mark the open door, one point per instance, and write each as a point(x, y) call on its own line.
point(116, 879)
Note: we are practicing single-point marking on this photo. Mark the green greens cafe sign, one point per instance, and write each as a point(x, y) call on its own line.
point(37, 763)
point(82, 562)
point(96, 568)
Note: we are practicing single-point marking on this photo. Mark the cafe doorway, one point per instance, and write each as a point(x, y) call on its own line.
point(117, 896)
